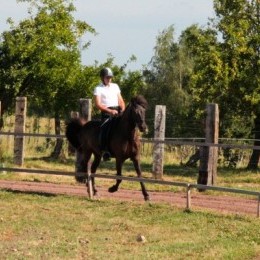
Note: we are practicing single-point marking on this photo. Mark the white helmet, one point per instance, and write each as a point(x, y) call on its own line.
point(106, 72)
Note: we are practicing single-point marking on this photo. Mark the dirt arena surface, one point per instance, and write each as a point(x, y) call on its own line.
point(223, 204)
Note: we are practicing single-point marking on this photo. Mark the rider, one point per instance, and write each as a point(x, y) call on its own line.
point(108, 99)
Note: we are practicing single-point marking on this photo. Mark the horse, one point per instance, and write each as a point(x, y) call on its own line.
point(123, 143)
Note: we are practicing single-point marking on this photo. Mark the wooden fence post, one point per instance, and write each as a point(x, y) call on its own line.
point(85, 109)
point(1, 149)
point(209, 154)
point(159, 135)
point(19, 128)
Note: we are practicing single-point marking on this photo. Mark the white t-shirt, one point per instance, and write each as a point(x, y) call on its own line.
point(108, 94)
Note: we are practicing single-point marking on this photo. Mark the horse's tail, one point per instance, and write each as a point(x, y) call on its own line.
point(73, 129)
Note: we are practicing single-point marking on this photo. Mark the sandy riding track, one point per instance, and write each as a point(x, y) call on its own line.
point(223, 204)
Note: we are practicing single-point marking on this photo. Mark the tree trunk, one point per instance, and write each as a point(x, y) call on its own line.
point(57, 153)
point(254, 159)
point(1, 116)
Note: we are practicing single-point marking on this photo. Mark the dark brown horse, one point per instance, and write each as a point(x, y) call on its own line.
point(124, 141)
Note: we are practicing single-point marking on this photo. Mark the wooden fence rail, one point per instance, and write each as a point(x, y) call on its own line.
point(188, 186)
point(176, 141)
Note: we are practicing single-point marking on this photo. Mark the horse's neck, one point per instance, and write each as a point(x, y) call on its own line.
point(127, 125)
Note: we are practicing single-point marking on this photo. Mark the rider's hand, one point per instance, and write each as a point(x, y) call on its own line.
point(113, 112)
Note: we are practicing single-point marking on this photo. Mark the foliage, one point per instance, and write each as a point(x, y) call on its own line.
point(218, 63)
point(209, 81)
point(40, 57)
point(238, 22)
point(166, 78)
point(227, 70)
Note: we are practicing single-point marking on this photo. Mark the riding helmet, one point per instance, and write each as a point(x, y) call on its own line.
point(106, 72)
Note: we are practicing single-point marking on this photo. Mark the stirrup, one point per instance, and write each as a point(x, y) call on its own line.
point(106, 156)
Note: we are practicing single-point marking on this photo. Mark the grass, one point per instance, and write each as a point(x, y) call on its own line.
point(60, 227)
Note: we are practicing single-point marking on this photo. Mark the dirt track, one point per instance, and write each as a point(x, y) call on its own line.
point(224, 204)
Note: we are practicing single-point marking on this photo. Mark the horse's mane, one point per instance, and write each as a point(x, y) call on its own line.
point(139, 100)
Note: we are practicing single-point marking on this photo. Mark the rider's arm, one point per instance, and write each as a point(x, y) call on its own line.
point(102, 107)
point(121, 102)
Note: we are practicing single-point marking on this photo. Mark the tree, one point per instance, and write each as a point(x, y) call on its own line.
point(209, 80)
point(40, 58)
point(41, 55)
point(226, 68)
point(239, 24)
point(165, 78)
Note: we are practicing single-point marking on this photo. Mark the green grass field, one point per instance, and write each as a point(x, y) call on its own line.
point(61, 227)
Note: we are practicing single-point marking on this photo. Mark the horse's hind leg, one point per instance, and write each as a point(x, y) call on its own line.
point(95, 164)
point(81, 166)
point(139, 175)
point(115, 187)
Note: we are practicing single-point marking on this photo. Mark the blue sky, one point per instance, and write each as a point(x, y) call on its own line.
point(125, 27)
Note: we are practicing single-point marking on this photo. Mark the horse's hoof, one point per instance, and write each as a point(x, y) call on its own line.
point(96, 196)
point(147, 198)
point(112, 189)
point(80, 179)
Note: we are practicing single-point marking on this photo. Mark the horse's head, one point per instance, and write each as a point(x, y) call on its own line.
point(139, 105)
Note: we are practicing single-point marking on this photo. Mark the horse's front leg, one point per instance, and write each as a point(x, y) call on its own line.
point(139, 175)
point(115, 187)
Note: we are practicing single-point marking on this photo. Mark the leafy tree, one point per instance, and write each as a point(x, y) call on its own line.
point(209, 81)
point(226, 68)
point(40, 58)
point(239, 24)
point(166, 79)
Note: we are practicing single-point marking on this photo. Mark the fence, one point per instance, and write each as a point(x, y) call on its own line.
point(188, 186)
point(207, 167)
point(208, 162)
point(208, 151)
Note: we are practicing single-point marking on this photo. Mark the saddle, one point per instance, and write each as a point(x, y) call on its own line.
point(105, 130)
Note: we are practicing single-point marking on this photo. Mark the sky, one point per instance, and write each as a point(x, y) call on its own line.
point(124, 28)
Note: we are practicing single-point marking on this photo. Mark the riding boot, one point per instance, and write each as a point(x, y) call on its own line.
point(105, 132)
point(103, 139)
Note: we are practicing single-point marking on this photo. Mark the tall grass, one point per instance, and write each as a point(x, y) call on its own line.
point(34, 146)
